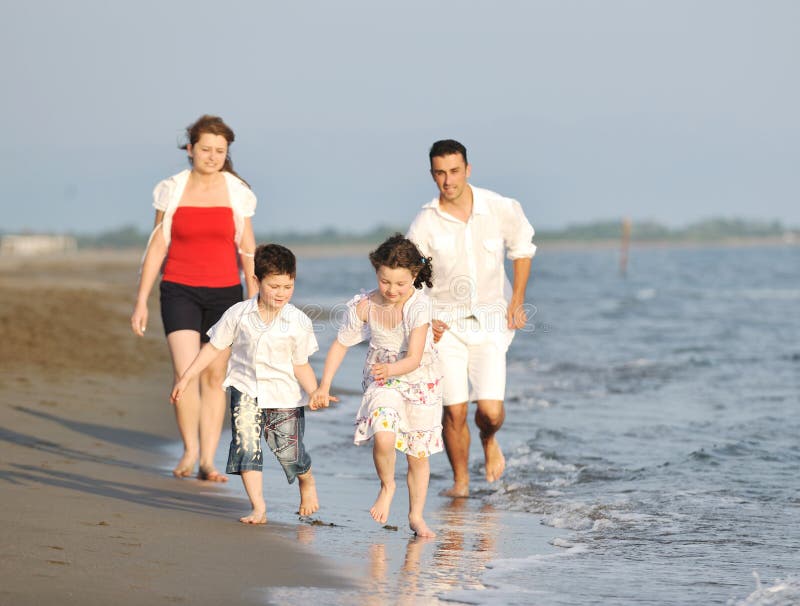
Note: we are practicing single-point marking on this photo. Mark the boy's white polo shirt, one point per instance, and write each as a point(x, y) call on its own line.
point(263, 355)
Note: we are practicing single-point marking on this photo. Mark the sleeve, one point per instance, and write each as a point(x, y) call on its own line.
point(417, 234)
point(161, 194)
point(222, 333)
point(305, 341)
point(418, 312)
point(246, 199)
point(517, 232)
point(352, 330)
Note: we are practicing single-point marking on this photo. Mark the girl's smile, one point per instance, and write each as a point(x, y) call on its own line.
point(395, 285)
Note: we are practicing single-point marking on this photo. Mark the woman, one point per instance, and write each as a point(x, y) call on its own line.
point(203, 222)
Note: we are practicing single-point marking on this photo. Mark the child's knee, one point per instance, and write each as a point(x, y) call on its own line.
point(384, 440)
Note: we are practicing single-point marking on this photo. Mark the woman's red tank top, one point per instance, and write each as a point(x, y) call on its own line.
point(202, 251)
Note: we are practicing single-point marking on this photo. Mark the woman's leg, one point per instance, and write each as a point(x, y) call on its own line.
point(419, 473)
point(184, 345)
point(383, 454)
point(211, 416)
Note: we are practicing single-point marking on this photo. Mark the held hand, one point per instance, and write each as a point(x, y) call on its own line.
point(139, 320)
point(380, 372)
point(320, 399)
point(438, 328)
point(517, 318)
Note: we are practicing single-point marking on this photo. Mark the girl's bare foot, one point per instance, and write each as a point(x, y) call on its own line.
point(495, 461)
point(257, 516)
point(420, 528)
point(380, 510)
point(309, 503)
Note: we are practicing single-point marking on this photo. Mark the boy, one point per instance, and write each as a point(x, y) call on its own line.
point(270, 341)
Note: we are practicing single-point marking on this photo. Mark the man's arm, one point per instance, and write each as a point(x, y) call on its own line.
point(516, 310)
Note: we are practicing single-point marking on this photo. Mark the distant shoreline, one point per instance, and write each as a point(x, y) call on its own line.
point(116, 256)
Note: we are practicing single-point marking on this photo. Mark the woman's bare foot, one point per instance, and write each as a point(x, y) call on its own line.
point(380, 510)
point(309, 503)
point(495, 461)
point(211, 475)
point(185, 467)
point(257, 516)
point(420, 528)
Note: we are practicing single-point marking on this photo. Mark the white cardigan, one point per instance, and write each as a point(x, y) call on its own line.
point(167, 195)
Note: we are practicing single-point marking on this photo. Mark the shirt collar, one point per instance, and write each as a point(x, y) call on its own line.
point(479, 204)
point(283, 315)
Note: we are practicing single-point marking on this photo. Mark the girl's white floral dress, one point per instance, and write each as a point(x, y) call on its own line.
point(409, 405)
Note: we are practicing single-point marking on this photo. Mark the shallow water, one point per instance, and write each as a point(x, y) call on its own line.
point(652, 443)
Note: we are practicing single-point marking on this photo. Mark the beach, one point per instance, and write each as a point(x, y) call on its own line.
point(650, 440)
point(91, 513)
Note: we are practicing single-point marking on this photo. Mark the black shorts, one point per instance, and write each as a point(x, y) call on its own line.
point(195, 307)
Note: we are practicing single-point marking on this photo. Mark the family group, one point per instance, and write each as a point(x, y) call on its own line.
point(438, 323)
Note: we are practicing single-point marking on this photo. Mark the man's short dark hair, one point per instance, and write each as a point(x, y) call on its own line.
point(274, 259)
point(445, 147)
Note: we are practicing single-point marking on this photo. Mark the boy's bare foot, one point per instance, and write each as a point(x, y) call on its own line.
point(257, 516)
point(185, 467)
point(457, 490)
point(420, 528)
point(380, 510)
point(495, 461)
point(309, 503)
point(211, 475)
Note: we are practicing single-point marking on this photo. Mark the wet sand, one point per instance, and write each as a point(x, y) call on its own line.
point(91, 513)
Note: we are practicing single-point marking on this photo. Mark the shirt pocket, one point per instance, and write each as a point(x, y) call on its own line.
point(494, 251)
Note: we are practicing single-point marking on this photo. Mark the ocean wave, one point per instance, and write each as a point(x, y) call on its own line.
point(782, 592)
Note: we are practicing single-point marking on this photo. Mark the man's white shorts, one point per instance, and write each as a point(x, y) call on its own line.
point(473, 362)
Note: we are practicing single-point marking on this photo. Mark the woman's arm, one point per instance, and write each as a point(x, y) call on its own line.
point(247, 248)
point(153, 258)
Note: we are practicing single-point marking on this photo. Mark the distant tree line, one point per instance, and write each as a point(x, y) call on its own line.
point(706, 230)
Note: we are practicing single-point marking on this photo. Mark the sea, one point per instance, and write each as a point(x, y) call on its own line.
point(652, 442)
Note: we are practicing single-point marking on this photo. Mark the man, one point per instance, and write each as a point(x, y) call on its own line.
point(466, 231)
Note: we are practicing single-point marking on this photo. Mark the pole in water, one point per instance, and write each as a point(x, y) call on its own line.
point(625, 245)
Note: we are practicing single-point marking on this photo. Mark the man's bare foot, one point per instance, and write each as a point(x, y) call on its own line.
point(309, 503)
point(495, 461)
point(380, 510)
point(185, 467)
point(211, 475)
point(420, 528)
point(457, 490)
point(257, 516)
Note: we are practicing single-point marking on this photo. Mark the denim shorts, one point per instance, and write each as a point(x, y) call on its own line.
point(283, 429)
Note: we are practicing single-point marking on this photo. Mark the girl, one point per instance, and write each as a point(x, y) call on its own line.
point(402, 404)
point(203, 228)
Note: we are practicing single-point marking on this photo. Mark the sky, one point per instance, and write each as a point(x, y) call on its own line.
point(672, 111)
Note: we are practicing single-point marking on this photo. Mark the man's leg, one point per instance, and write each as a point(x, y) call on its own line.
point(455, 432)
point(489, 418)
point(454, 360)
point(488, 376)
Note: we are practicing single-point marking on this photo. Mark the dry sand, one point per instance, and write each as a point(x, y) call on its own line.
point(90, 512)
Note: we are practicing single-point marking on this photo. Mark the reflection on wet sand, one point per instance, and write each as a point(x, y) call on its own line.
point(467, 543)
point(456, 559)
point(467, 530)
